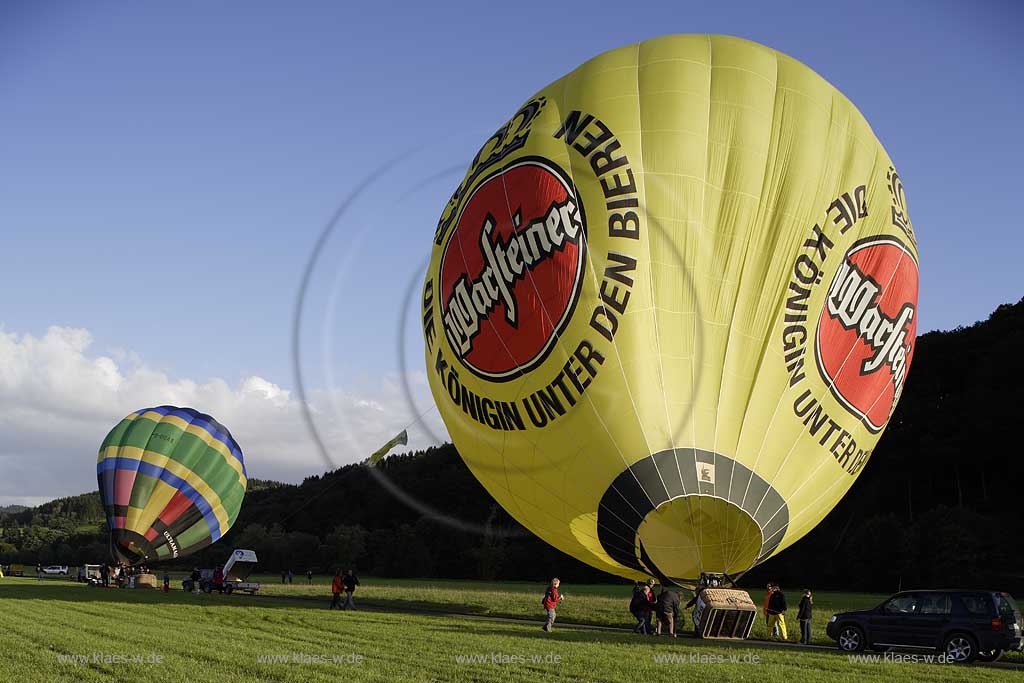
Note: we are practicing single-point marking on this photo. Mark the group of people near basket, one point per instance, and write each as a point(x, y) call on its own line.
point(655, 614)
point(661, 614)
point(775, 613)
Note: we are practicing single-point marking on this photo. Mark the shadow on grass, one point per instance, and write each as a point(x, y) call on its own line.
point(19, 589)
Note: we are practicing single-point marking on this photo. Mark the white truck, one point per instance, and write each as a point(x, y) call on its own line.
point(237, 570)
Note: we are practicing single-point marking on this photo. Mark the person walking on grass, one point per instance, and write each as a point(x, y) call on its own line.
point(803, 615)
point(550, 603)
point(350, 582)
point(777, 612)
point(337, 586)
point(309, 577)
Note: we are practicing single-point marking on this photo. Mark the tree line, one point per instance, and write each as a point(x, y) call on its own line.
point(937, 503)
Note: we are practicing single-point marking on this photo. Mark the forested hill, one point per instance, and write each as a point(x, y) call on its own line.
point(937, 503)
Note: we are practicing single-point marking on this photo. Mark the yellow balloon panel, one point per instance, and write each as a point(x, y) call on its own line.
point(672, 305)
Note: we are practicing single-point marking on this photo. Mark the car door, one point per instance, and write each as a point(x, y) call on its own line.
point(888, 623)
point(929, 620)
point(973, 612)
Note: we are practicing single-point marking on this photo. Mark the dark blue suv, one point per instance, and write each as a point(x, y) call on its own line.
point(963, 624)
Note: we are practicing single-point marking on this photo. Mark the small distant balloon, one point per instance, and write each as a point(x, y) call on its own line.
point(171, 481)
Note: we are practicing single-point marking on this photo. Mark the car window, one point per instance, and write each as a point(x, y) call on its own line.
point(935, 603)
point(976, 604)
point(1005, 605)
point(901, 604)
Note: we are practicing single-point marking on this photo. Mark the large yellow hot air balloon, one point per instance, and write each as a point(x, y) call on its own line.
point(672, 305)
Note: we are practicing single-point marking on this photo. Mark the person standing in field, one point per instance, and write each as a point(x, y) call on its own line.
point(309, 577)
point(218, 580)
point(337, 587)
point(668, 611)
point(550, 603)
point(652, 606)
point(803, 615)
point(350, 582)
point(777, 612)
point(640, 608)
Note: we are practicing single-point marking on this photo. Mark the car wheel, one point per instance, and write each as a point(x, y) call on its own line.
point(960, 648)
point(851, 639)
point(228, 589)
point(990, 656)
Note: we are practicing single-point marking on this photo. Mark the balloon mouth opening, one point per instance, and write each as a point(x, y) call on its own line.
point(683, 512)
point(691, 535)
point(130, 548)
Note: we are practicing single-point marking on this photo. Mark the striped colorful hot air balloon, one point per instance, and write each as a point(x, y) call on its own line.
point(171, 481)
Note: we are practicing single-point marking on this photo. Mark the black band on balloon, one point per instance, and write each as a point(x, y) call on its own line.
point(121, 543)
point(670, 474)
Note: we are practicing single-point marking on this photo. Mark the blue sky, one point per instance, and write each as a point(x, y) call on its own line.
point(166, 168)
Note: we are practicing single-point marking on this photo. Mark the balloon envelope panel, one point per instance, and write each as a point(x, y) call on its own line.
point(171, 481)
point(672, 305)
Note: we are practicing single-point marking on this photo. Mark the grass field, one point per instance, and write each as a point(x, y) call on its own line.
point(601, 605)
point(61, 631)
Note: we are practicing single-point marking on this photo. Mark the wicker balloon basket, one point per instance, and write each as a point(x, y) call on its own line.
point(723, 613)
point(145, 581)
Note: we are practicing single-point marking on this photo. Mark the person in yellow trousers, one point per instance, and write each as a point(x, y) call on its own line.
point(777, 612)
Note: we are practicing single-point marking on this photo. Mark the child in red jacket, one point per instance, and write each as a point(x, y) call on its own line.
point(550, 603)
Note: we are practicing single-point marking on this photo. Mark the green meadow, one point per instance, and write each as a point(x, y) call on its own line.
point(405, 631)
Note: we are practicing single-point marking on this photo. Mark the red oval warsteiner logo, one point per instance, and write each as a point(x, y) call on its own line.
point(512, 269)
point(867, 330)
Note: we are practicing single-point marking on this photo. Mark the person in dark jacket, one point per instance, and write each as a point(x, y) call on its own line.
point(550, 603)
point(337, 586)
point(350, 582)
point(668, 612)
point(640, 607)
point(777, 612)
point(803, 615)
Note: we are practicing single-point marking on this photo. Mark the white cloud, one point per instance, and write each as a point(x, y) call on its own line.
point(58, 401)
